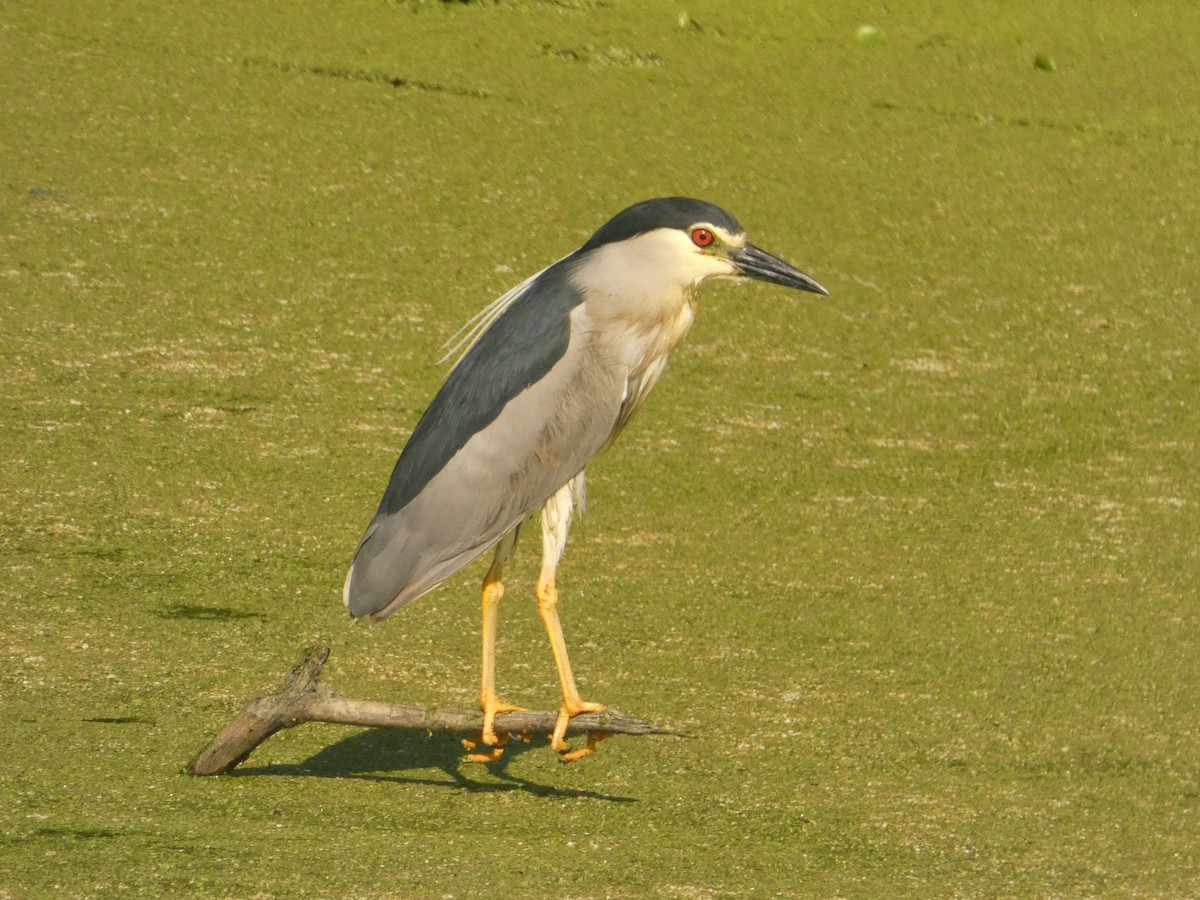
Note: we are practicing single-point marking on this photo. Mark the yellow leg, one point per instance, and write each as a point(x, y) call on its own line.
point(572, 705)
point(556, 522)
point(489, 701)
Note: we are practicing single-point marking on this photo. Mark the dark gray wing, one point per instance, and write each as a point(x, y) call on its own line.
point(523, 411)
point(515, 352)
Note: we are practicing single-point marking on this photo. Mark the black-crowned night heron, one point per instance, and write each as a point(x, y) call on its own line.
point(552, 372)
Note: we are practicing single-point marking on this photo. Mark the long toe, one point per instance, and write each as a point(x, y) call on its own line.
point(493, 707)
point(566, 712)
point(491, 753)
point(593, 738)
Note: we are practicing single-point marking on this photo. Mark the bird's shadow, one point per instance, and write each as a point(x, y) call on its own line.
point(389, 754)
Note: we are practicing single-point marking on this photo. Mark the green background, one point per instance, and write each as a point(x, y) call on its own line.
point(914, 566)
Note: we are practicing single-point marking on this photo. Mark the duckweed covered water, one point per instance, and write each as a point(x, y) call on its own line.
point(914, 567)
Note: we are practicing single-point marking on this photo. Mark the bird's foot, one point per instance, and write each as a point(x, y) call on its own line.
point(593, 738)
point(493, 752)
point(491, 706)
point(568, 710)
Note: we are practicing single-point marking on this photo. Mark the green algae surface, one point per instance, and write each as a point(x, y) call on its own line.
point(914, 567)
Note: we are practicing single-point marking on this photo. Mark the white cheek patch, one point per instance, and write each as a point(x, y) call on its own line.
point(651, 268)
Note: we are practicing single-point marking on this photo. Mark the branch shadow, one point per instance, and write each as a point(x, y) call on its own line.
point(385, 754)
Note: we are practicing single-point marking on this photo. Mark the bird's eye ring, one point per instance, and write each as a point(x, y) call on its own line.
point(702, 237)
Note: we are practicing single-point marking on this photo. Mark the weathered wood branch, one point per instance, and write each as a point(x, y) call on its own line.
point(302, 697)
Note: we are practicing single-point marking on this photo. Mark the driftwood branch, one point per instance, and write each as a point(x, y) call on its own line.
point(302, 697)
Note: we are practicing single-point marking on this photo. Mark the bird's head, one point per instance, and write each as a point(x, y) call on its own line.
point(680, 242)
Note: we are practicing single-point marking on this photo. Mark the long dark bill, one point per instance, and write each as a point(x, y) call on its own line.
point(760, 264)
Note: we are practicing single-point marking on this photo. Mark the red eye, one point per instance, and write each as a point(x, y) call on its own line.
point(702, 237)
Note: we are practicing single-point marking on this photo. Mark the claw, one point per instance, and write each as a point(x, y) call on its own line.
point(593, 738)
point(494, 752)
point(491, 756)
point(566, 712)
point(491, 708)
